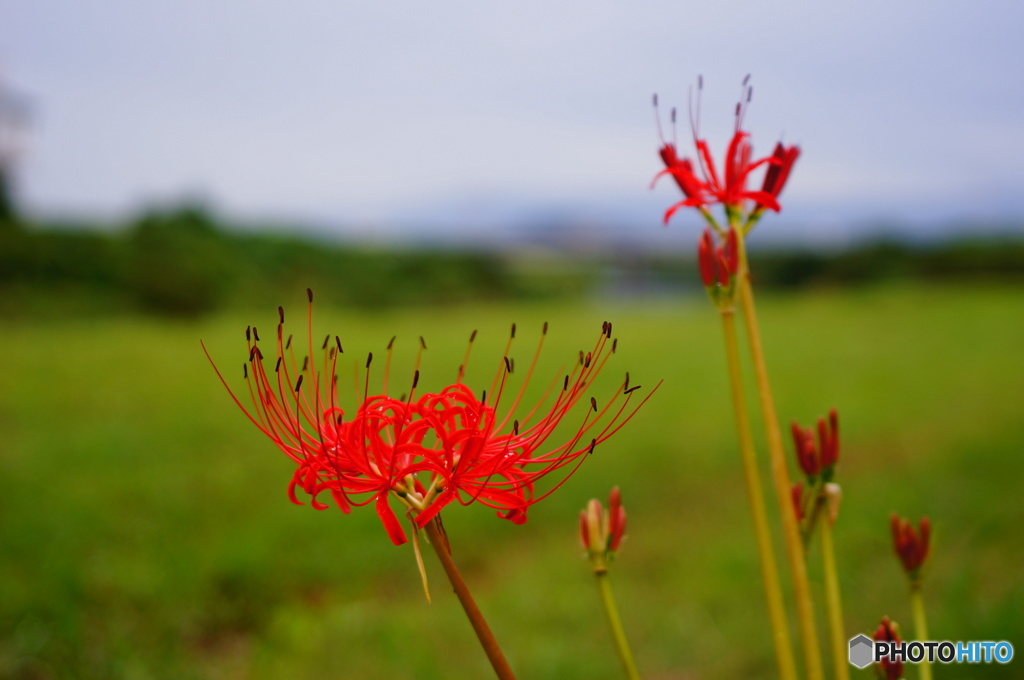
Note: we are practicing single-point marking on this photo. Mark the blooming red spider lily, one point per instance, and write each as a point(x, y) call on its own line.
point(728, 187)
point(428, 450)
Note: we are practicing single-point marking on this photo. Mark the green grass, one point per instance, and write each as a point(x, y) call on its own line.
point(145, 531)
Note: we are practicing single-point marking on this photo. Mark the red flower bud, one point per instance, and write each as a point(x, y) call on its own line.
point(797, 494)
point(706, 258)
point(888, 631)
point(911, 546)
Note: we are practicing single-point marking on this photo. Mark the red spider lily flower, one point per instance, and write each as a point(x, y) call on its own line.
point(728, 187)
point(911, 546)
point(426, 451)
point(821, 457)
point(718, 264)
point(888, 631)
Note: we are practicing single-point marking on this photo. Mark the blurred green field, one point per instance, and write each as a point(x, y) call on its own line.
point(145, 531)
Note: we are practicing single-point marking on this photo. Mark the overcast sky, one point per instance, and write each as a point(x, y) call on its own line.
point(383, 111)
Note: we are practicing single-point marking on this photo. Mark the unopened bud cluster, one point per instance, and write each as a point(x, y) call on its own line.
point(601, 530)
point(911, 545)
point(817, 452)
point(719, 264)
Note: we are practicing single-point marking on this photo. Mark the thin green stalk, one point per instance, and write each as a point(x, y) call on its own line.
point(769, 571)
point(834, 602)
point(780, 475)
point(920, 626)
point(615, 624)
point(476, 619)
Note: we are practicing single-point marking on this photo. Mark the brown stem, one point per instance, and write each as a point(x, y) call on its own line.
point(476, 619)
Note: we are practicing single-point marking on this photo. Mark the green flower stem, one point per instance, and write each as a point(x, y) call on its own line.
point(769, 571)
point(476, 619)
point(920, 626)
point(834, 602)
point(615, 624)
point(780, 475)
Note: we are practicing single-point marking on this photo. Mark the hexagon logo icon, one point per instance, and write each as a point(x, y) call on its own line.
point(861, 651)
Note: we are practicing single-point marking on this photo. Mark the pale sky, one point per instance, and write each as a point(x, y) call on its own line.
point(435, 112)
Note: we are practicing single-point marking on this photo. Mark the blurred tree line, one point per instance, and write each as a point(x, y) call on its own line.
point(182, 262)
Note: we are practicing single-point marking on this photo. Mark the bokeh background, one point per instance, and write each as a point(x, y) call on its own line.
point(171, 172)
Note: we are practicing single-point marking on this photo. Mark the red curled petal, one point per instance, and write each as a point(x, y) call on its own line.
point(387, 516)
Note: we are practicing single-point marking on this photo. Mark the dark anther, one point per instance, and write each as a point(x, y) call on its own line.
point(298, 383)
point(513, 367)
point(593, 404)
point(309, 294)
point(305, 363)
point(631, 390)
point(513, 330)
point(626, 385)
point(565, 385)
point(259, 353)
point(252, 352)
point(515, 427)
point(255, 334)
point(245, 371)
point(248, 333)
point(423, 343)
point(508, 365)
point(593, 443)
point(337, 419)
point(391, 342)
point(586, 362)
point(545, 331)
point(483, 397)
point(277, 366)
point(327, 339)
point(615, 343)
point(581, 357)
point(416, 378)
point(280, 313)
point(288, 345)
point(369, 358)
point(472, 336)
point(609, 333)
point(337, 341)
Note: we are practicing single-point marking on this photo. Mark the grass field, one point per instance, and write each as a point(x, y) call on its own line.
point(145, 531)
